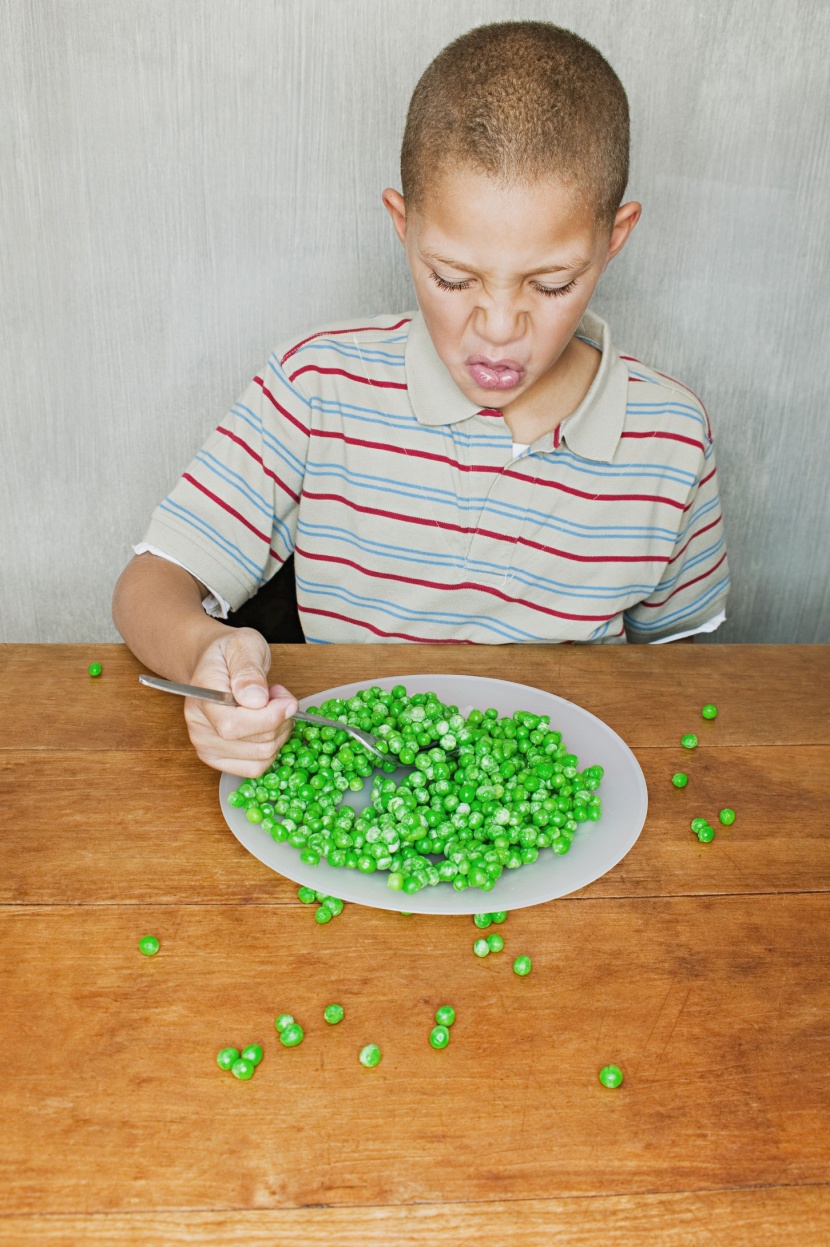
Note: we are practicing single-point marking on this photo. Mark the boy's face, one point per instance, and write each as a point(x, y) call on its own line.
point(503, 275)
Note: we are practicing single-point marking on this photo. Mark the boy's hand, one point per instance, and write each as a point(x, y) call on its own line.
point(242, 739)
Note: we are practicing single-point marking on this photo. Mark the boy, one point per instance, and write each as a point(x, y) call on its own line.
point(486, 469)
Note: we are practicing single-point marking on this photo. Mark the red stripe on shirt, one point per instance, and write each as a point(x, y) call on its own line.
point(330, 333)
point(282, 410)
point(669, 437)
point(447, 526)
point(230, 510)
point(699, 533)
point(518, 476)
point(258, 459)
point(686, 584)
point(401, 636)
point(704, 480)
point(350, 376)
point(465, 584)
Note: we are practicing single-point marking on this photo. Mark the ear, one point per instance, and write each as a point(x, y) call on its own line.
point(393, 202)
point(626, 218)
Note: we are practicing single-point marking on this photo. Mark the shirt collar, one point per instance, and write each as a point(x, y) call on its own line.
point(592, 431)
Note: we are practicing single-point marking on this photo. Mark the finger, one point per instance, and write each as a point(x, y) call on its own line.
point(247, 661)
point(236, 723)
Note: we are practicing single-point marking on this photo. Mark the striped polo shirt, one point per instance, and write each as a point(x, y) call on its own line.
point(412, 518)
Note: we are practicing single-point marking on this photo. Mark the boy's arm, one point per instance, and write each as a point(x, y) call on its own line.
point(157, 608)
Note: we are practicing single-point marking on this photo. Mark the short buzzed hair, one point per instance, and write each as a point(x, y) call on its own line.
point(520, 101)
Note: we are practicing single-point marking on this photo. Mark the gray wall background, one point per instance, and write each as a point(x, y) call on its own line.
point(185, 182)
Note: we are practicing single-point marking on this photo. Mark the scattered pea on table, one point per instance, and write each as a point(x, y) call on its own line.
point(709, 711)
point(306, 895)
point(611, 1076)
point(243, 1069)
point(499, 915)
point(252, 1053)
point(495, 943)
point(95, 669)
point(323, 914)
point(706, 834)
point(522, 966)
point(482, 920)
point(292, 1035)
point(226, 1057)
point(680, 779)
point(481, 948)
point(370, 1056)
point(439, 1036)
point(697, 823)
point(284, 1019)
point(689, 741)
point(149, 945)
point(727, 817)
point(445, 1016)
point(334, 1014)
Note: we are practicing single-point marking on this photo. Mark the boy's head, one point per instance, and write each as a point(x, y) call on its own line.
point(513, 167)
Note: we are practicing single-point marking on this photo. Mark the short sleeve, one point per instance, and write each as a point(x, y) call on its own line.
point(231, 518)
point(695, 583)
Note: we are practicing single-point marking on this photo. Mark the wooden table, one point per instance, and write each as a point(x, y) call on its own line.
point(702, 970)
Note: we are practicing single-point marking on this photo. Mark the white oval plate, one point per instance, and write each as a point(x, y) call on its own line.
point(597, 847)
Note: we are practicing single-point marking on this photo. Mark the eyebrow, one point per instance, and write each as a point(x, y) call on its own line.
point(577, 262)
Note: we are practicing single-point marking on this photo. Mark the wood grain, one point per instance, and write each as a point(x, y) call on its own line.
point(90, 827)
point(651, 695)
point(716, 1009)
point(765, 1217)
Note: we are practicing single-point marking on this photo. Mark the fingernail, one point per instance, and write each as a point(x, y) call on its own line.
point(252, 696)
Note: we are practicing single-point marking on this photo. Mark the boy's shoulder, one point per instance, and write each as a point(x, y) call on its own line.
point(388, 331)
point(649, 389)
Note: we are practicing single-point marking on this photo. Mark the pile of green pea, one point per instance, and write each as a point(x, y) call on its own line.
point(486, 793)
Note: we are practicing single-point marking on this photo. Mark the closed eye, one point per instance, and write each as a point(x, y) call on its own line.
point(442, 284)
point(555, 292)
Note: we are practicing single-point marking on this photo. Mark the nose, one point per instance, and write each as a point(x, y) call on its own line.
point(500, 320)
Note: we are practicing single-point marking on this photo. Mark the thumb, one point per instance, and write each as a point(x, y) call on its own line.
point(247, 673)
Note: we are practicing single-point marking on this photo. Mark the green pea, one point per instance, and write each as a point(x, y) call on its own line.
point(679, 779)
point(226, 1057)
point(306, 895)
point(445, 1016)
point(496, 943)
point(439, 1036)
point(610, 1076)
point(292, 1035)
point(689, 741)
point(522, 966)
point(149, 945)
point(727, 817)
point(284, 1020)
point(395, 881)
point(706, 834)
point(697, 823)
point(252, 1053)
point(334, 904)
point(95, 669)
point(333, 1014)
point(370, 1056)
point(499, 915)
point(243, 1069)
point(482, 920)
point(709, 712)
point(481, 948)
point(323, 915)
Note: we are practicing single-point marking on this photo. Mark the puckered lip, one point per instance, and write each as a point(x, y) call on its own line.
point(486, 362)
